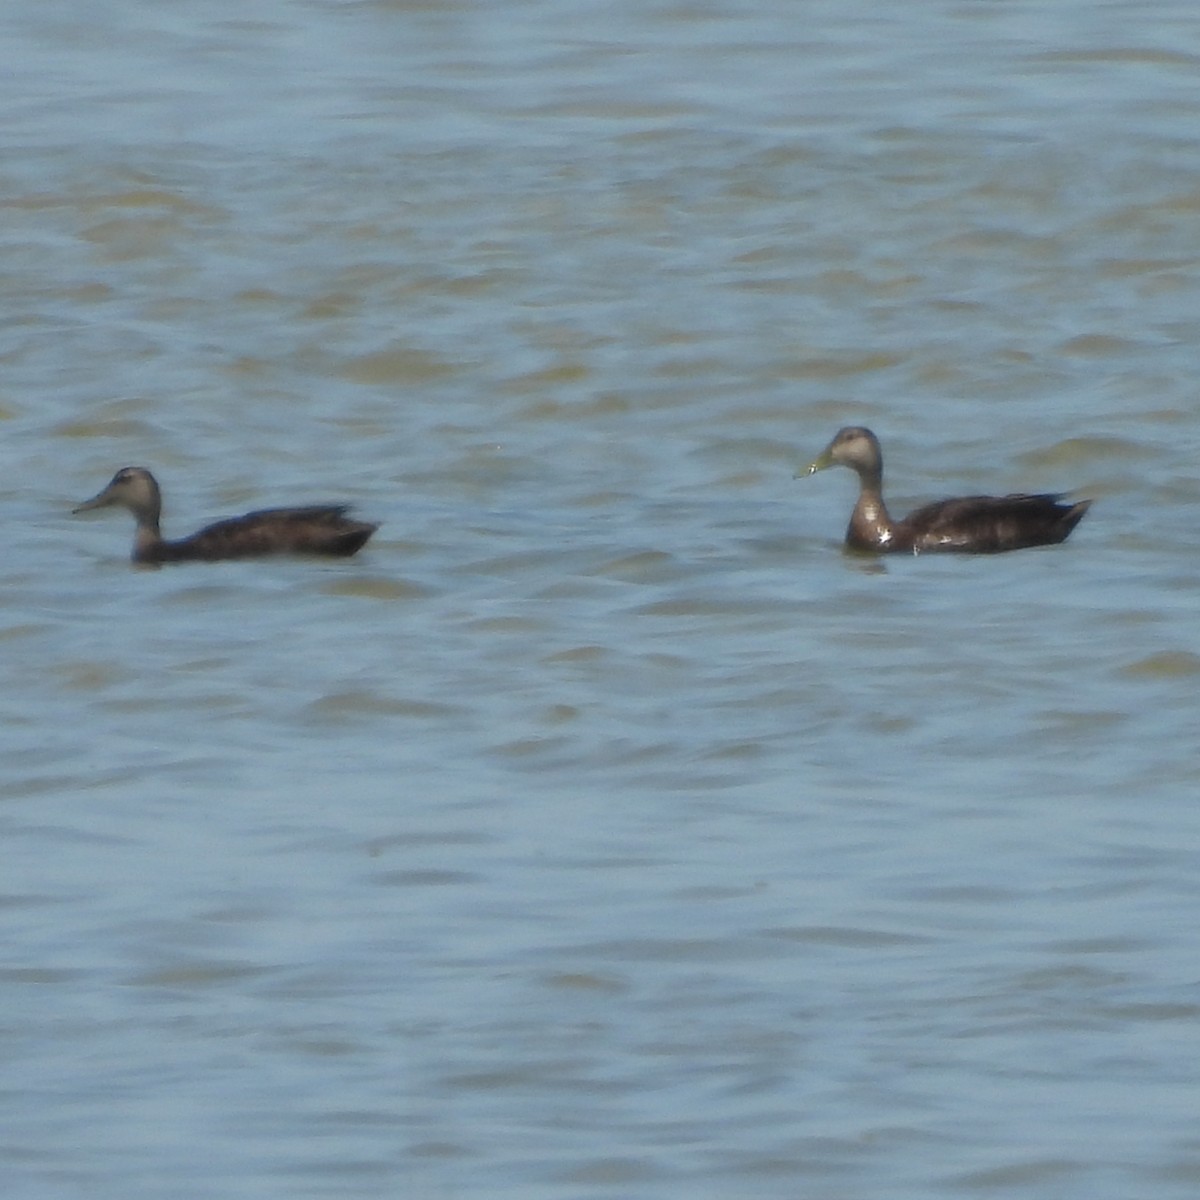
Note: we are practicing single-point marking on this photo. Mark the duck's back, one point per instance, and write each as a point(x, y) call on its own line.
point(990, 524)
point(319, 529)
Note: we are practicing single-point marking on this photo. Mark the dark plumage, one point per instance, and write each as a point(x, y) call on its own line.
point(321, 529)
point(968, 525)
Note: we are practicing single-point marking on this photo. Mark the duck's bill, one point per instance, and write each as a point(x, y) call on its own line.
point(823, 460)
point(100, 500)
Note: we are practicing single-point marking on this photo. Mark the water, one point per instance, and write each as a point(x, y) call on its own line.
point(602, 830)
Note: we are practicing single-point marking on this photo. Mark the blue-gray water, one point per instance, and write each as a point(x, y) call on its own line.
point(601, 831)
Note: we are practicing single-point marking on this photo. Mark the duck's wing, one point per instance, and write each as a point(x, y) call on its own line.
point(318, 529)
point(992, 524)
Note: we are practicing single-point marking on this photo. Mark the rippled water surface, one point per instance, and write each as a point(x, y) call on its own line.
point(602, 830)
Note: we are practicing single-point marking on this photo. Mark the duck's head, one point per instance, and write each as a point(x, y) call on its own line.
point(133, 488)
point(855, 447)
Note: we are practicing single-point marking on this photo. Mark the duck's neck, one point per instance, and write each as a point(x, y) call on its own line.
point(871, 527)
point(148, 539)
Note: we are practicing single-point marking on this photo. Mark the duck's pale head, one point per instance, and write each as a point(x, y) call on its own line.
point(855, 447)
point(133, 488)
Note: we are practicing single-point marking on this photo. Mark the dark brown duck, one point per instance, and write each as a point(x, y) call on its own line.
point(966, 525)
point(320, 529)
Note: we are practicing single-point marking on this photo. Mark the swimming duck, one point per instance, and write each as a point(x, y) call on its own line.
point(321, 529)
point(967, 525)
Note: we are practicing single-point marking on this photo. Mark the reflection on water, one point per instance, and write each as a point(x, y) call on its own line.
point(602, 829)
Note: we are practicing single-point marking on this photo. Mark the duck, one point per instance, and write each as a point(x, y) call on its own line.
point(963, 525)
point(322, 529)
